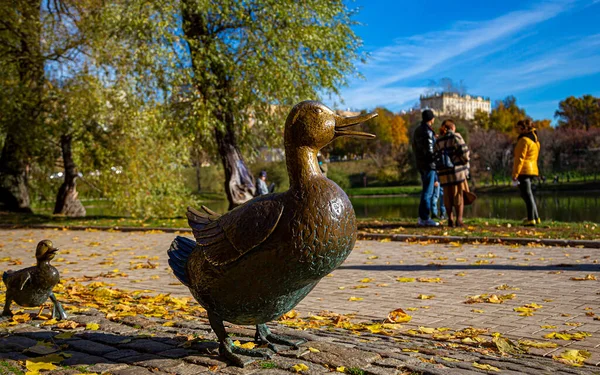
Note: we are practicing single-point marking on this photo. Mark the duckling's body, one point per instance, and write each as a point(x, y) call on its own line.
point(32, 286)
point(256, 262)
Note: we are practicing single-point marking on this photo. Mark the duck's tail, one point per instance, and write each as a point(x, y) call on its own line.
point(4, 276)
point(179, 252)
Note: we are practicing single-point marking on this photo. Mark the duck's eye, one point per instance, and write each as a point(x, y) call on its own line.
point(318, 110)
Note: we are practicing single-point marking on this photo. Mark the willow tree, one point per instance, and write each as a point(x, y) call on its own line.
point(36, 37)
point(251, 60)
point(22, 65)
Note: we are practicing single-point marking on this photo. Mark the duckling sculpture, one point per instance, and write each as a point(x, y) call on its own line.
point(256, 262)
point(33, 286)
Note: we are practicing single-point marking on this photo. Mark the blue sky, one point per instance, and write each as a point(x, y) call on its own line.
point(539, 51)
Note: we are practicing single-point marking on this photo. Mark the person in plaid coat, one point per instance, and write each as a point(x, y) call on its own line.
point(452, 159)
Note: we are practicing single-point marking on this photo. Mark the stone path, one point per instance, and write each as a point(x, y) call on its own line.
point(447, 273)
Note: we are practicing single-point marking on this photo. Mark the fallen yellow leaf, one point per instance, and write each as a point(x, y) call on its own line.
point(398, 316)
point(485, 367)
point(300, 367)
point(573, 357)
point(424, 296)
point(92, 326)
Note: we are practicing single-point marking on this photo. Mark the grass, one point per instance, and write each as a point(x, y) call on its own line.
point(483, 227)
point(268, 365)
point(474, 227)
point(7, 368)
point(386, 190)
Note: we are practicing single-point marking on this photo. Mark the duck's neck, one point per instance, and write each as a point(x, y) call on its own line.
point(43, 263)
point(302, 166)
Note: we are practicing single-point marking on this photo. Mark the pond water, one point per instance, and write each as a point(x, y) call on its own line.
point(559, 206)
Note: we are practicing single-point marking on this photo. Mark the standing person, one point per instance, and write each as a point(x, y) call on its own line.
point(452, 157)
point(261, 184)
point(525, 167)
point(438, 197)
point(422, 143)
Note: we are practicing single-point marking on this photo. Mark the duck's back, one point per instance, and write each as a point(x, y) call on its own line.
point(314, 234)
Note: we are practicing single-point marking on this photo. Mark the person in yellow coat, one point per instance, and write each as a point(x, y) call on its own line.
point(525, 167)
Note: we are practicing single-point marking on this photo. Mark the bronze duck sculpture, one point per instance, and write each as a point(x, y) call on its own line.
point(254, 263)
point(33, 286)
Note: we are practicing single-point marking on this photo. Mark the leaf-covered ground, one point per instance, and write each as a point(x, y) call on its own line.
point(473, 227)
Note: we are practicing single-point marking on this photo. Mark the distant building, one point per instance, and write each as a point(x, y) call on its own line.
point(453, 104)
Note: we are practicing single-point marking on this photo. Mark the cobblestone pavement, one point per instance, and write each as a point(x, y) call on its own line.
point(435, 281)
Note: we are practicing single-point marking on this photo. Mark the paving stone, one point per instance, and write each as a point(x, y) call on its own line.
point(142, 357)
point(147, 345)
point(121, 353)
point(177, 353)
point(208, 361)
point(101, 368)
point(78, 358)
point(186, 369)
point(132, 370)
point(91, 347)
point(15, 343)
point(334, 355)
point(15, 356)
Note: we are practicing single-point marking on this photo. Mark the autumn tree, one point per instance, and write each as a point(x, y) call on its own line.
point(36, 38)
point(505, 115)
point(579, 113)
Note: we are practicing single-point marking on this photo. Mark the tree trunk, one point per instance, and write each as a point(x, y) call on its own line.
point(67, 202)
point(21, 132)
point(239, 184)
point(14, 193)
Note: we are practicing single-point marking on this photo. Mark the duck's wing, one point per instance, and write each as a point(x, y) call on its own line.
point(16, 279)
point(226, 238)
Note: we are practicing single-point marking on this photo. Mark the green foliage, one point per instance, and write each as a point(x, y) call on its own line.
point(579, 113)
point(339, 177)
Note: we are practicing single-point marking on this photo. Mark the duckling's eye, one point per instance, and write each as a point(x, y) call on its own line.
point(318, 110)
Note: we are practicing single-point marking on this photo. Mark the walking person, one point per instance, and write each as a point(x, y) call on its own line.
point(452, 159)
point(423, 143)
point(525, 167)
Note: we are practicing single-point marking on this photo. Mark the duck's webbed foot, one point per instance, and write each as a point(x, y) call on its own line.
point(264, 336)
point(57, 311)
point(231, 352)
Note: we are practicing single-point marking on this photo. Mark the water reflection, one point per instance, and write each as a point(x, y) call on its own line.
point(552, 205)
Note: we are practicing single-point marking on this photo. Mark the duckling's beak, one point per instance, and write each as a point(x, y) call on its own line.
point(344, 122)
point(52, 251)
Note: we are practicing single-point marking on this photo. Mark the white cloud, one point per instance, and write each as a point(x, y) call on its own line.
point(420, 56)
point(575, 59)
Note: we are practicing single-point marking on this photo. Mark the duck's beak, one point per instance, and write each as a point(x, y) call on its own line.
point(52, 251)
point(344, 122)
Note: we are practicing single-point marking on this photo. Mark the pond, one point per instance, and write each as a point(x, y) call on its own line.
point(559, 206)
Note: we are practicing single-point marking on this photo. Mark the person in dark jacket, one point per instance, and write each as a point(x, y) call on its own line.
point(423, 143)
